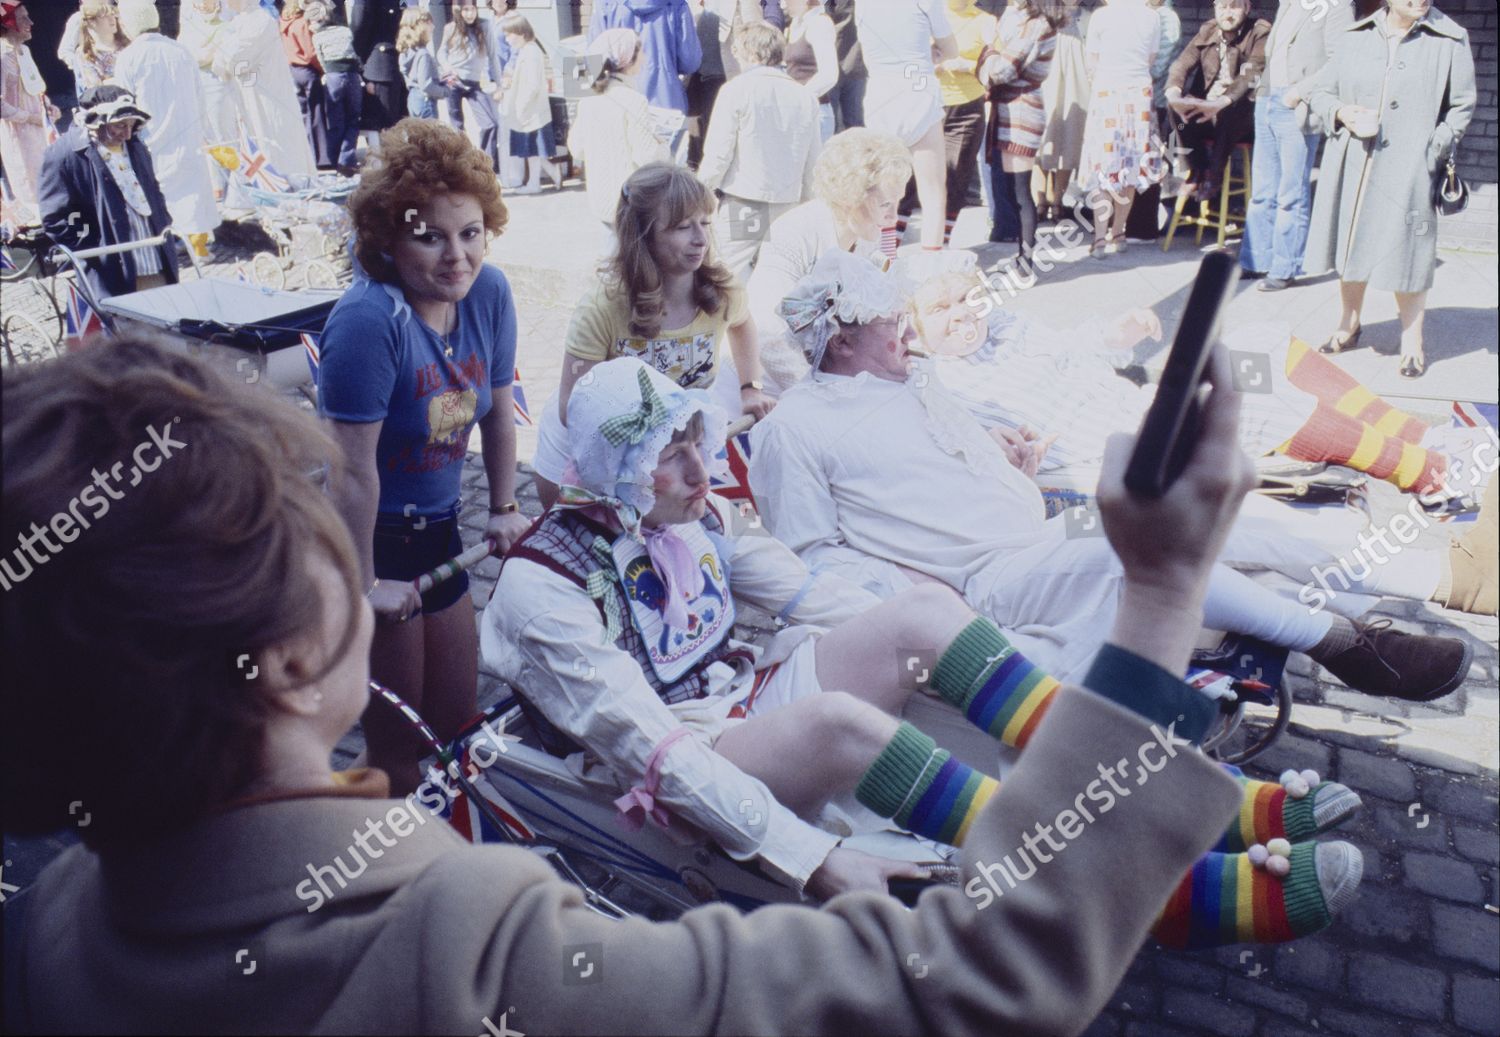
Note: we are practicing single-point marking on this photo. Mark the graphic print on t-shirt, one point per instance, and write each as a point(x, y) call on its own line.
point(686, 359)
point(451, 405)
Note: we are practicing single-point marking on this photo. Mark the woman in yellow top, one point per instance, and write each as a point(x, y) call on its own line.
point(963, 103)
point(665, 298)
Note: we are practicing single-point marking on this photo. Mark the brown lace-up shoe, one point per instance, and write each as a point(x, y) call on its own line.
point(1415, 667)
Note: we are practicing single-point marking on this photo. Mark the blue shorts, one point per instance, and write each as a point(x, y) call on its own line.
point(403, 551)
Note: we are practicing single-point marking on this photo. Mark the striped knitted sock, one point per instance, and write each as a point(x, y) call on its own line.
point(1225, 899)
point(1331, 435)
point(1267, 812)
point(923, 789)
point(993, 684)
point(1312, 372)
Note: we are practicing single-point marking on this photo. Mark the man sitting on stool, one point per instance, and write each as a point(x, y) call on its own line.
point(1210, 87)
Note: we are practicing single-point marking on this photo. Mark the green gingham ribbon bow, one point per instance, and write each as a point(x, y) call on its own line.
point(634, 426)
point(601, 588)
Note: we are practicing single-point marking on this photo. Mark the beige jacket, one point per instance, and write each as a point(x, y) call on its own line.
point(439, 936)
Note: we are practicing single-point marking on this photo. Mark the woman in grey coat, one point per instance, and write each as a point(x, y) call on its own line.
point(1394, 99)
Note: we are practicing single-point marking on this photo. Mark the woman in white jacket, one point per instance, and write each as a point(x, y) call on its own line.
point(250, 60)
point(612, 135)
point(527, 108)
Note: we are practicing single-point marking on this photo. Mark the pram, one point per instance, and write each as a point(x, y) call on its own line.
point(266, 327)
point(311, 229)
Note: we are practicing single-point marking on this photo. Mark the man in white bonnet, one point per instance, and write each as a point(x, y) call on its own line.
point(870, 469)
point(614, 615)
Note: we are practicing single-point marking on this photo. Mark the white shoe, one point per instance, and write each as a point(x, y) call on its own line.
point(532, 188)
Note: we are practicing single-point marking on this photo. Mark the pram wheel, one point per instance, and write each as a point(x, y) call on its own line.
point(321, 274)
point(266, 271)
point(1251, 724)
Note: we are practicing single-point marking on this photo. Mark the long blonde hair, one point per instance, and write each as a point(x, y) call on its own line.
point(660, 194)
point(90, 11)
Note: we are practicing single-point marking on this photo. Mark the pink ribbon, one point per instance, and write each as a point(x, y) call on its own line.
point(640, 802)
point(674, 563)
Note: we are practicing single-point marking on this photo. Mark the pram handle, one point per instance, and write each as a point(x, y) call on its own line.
point(453, 566)
point(738, 425)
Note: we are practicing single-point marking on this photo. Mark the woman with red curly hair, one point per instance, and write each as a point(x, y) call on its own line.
point(418, 351)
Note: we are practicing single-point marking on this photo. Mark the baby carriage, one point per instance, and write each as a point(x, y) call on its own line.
point(311, 229)
point(304, 216)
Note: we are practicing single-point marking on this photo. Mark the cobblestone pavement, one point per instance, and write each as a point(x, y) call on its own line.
point(1418, 952)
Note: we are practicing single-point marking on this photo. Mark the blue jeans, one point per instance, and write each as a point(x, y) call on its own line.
point(1281, 192)
point(419, 105)
point(346, 96)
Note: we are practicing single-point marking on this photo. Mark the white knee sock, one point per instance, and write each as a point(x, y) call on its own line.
point(1239, 605)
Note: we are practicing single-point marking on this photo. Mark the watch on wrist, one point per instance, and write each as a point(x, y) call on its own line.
point(754, 383)
point(509, 508)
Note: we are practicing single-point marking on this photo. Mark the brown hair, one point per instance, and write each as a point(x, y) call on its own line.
point(518, 24)
point(127, 649)
point(418, 160)
point(90, 10)
point(660, 194)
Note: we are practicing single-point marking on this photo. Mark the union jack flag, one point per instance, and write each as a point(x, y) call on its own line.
point(523, 412)
point(314, 358)
point(736, 484)
point(256, 167)
point(80, 322)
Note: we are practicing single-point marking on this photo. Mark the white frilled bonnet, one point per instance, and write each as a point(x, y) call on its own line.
point(621, 416)
point(840, 289)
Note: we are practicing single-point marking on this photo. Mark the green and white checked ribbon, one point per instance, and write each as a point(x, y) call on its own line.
point(601, 588)
point(634, 426)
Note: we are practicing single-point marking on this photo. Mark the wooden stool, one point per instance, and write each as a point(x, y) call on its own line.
point(1231, 186)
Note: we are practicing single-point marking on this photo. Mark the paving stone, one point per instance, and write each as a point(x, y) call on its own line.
point(1477, 844)
point(1264, 992)
point(1104, 1026)
point(1469, 934)
point(1198, 975)
point(1467, 798)
point(1206, 1012)
point(1156, 1028)
point(1294, 752)
point(1357, 1024)
point(1405, 828)
point(1316, 964)
point(1283, 1028)
point(1137, 998)
point(1397, 986)
point(1372, 775)
point(1430, 757)
point(1476, 1003)
point(1391, 915)
point(1443, 876)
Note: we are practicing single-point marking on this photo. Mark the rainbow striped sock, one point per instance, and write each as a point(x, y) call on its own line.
point(923, 789)
point(1225, 899)
point(1267, 812)
point(995, 686)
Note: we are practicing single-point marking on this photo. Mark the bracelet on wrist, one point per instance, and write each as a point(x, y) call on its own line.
point(508, 508)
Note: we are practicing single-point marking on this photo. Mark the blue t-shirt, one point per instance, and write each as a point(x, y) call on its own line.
point(381, 362)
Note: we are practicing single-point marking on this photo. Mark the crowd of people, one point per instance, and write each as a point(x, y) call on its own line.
point(899, 432)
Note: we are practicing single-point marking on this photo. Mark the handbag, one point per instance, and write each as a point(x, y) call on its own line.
point(1450, 194)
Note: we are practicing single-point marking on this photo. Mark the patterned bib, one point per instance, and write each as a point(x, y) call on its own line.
point(674, 653)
